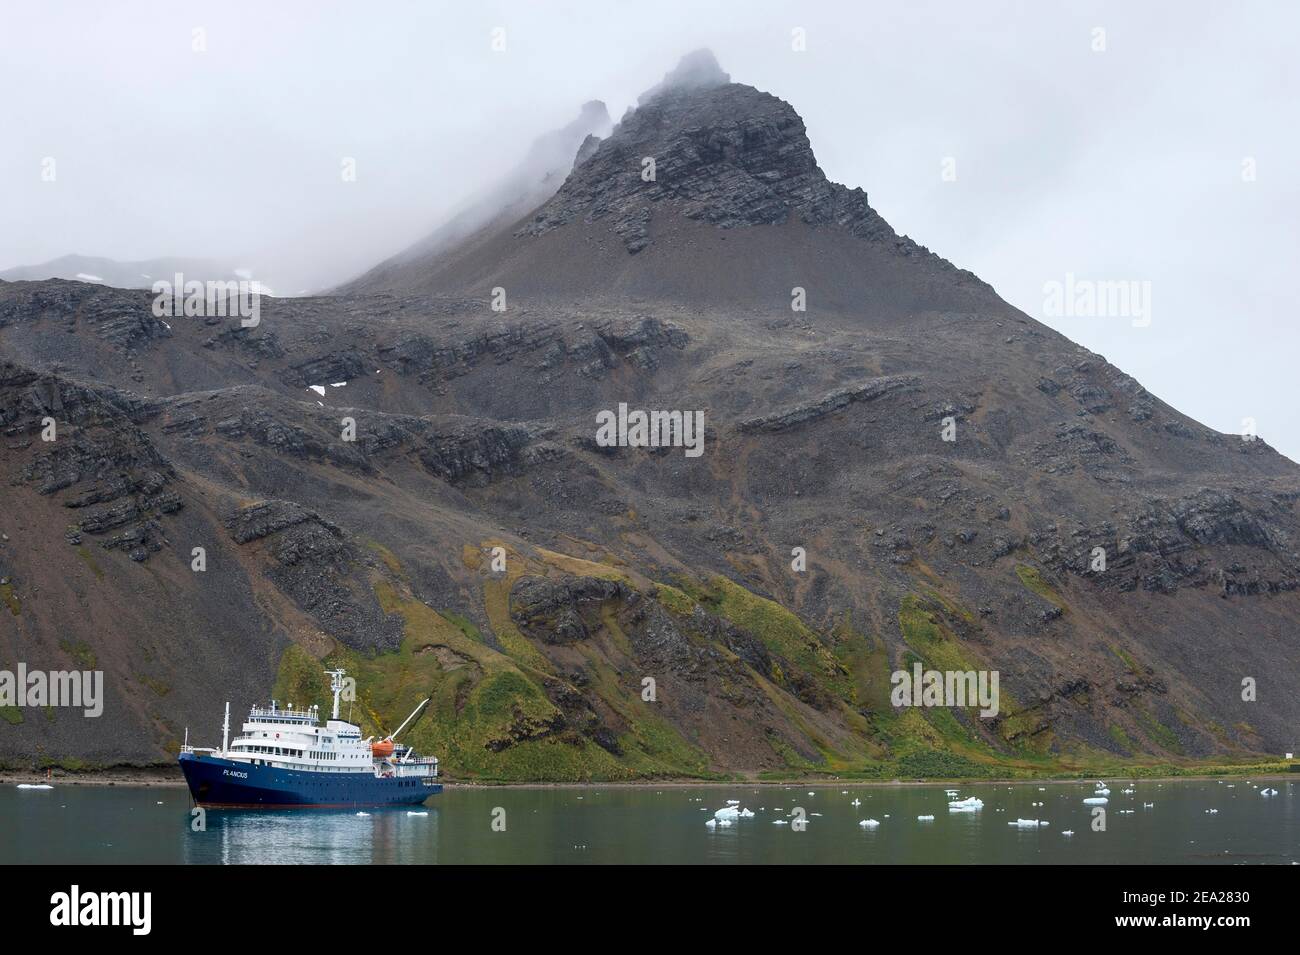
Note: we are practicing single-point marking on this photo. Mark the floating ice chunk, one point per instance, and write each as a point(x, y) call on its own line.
point(856, 803)
point(727, 812)
point(35, 786)
point(1212, 812)
point(1028, 823)
point(780, 822)
point(746, 814)
point(415, 812)
point(925, 818)
point(1268, 792)
point(869, 823)
point(319, 389)
point(969, 804)
point(711, 823)
point(733, 802)
point(363, 814)
point(1096, 801)
point(337, 384)
point(1103, 792)
point(1147, 805)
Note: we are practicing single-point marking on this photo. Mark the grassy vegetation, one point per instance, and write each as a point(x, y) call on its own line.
point(1127, 659)
point(781, 631)
point(677, 601)
point(84, 553)
point(1033, 580)
point(491, 718)
point(81, 652)
point(387, 556)
point(466, 625)
point(10, 599)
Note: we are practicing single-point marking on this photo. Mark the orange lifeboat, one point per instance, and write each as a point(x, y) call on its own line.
point(381, 749)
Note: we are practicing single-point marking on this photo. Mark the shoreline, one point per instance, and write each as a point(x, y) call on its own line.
point(169, 778)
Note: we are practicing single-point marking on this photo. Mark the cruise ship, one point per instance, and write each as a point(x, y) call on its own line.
point(285, 759)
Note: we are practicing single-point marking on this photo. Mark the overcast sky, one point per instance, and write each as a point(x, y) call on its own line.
point(1123, 164)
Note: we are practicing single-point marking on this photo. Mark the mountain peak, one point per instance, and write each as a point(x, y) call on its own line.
point(721, 152)
point(705, 177)
point(698, 69)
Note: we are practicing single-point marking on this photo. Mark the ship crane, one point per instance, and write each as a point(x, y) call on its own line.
point(383, 748)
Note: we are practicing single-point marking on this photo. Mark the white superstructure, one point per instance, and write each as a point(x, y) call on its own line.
point(289, 738)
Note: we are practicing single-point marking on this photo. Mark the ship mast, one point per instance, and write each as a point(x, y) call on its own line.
point(336, 684)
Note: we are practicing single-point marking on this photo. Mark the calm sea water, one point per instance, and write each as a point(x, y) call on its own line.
point(79, 825)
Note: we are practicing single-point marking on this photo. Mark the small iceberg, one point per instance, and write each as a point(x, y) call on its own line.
point(869, 823)
point(1028, 823)
point(319, 389)
point(964, 805)
point(1096, 801)
point(415, 812)
point(779, 822)
point(35, 786)
point(925, 818)
point(1268, 792)
point(856, 803)
point(1068, 832)
point(363, 814)
point(1147, 805)
point(1103, 792)
point(1212, 812)
point(727, 812)
point(746, 814)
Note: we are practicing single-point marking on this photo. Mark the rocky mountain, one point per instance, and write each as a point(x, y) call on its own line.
point(405, 480)
point(138, 274)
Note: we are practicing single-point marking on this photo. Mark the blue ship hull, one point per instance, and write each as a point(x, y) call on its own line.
point(224, 783)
